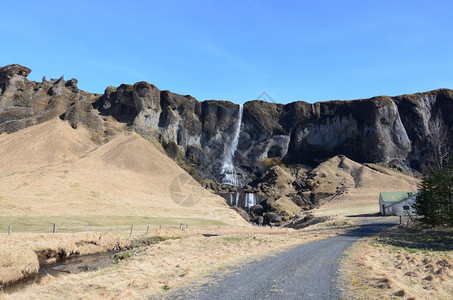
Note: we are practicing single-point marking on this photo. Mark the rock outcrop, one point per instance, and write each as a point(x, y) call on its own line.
point(388, 130)
point(24, 103)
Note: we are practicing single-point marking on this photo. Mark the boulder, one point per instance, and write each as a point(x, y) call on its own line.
point(256, 210)
point(259, 220)
point(272, 218)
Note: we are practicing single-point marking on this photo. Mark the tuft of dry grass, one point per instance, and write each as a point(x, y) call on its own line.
point(400, 263)
point(16, 263)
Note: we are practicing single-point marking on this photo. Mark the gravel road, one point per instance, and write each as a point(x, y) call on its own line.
point(306, 272)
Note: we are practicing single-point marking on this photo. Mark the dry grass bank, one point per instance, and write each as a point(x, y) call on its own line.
point(400, 263)
point(175, 263)
point(21, 255)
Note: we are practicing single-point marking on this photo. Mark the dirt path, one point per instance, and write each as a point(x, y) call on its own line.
point(306, 272)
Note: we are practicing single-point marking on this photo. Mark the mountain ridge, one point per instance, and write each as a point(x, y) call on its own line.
point(382, 129)
point(392, 131)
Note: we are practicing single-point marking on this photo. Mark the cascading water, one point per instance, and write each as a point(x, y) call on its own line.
point(250, 200)
point(228, 170)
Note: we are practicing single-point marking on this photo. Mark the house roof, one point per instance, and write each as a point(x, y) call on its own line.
point(394, 197)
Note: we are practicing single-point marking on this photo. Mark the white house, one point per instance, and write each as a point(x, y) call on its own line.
point(397, 203)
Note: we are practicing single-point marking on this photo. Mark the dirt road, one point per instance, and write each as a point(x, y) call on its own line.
point(306, 272)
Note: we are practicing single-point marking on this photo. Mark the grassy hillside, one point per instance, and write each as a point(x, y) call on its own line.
point(52, 173)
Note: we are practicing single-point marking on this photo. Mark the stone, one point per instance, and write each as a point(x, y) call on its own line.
point(256, 211)
point(272, 218)
point(7, 73)
point(259, 220)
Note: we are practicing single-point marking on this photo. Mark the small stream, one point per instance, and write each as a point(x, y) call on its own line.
point(70, 265)
point(86, 263)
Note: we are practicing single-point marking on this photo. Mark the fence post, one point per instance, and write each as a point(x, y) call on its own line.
point(53, 229)
point(147, 230)
point(9, 229)
point(132, 227)
point(160, 226)
point(86, 227)
point(400, 220)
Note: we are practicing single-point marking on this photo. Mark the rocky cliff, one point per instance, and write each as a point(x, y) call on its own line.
point(389, 130)
point(394, 131)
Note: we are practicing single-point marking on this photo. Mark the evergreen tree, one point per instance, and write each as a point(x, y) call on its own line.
point(424, 201)
point(435, 199)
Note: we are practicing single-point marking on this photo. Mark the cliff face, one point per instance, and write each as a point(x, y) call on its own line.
point(390, 130)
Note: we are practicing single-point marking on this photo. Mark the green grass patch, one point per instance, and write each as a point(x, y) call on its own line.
point(122, 224)
point(234, 239)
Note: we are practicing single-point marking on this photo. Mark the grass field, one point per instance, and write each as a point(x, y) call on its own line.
point(401, 263)
point(119, 224)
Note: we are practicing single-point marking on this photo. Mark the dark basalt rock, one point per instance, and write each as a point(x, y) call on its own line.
point(81, 113)
point(24, 103)
point(8, 74)
point(272, 218)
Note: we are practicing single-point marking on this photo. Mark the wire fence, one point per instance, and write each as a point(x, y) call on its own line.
point(132, 230)
point(127, 230)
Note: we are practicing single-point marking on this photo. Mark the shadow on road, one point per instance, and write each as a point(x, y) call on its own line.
point(369, 229)
point(365, 215)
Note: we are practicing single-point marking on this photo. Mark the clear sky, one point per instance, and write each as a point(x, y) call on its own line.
point(236, 50)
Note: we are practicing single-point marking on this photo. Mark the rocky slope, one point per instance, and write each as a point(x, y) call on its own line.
point(393, 131)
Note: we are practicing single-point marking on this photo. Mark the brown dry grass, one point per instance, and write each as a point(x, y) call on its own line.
point(53, 170)
point(175, 263)
point(287, 205)
point(22, 254)
point(400, 263)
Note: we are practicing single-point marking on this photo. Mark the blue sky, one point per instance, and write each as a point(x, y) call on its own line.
point(236, 50)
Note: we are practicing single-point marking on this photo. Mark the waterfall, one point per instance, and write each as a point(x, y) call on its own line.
point(245, 200)
point(250, 200)
point(228, 170)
